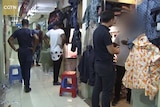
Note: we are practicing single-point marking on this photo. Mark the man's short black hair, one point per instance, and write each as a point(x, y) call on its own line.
point(25, 22)
point(58, 23)
point(106, 16)
point(38, 26)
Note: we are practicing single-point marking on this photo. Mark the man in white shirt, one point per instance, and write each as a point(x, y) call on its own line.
point(55, 39)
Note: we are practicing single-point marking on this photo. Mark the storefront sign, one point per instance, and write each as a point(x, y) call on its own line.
point(10, 7)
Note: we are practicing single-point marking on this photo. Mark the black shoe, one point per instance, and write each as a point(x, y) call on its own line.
point(27, 89)
point(38, 65)
point(114, 102)
point(56, 83)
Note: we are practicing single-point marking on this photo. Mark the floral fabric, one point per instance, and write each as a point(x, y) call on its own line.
point(143, 67)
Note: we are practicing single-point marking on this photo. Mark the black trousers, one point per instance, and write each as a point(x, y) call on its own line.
point(25, 60)
point(56, 69)
point(120, 71)
point(104, 84)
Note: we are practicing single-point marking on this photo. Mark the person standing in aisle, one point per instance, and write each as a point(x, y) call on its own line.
point(25, 51)
point(39, 46)
point(56, 42)
point(122, 41)
point(104, 66)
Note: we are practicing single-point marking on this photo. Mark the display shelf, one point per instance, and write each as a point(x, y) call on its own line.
point(124, 1)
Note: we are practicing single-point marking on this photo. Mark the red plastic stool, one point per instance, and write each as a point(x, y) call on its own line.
point(66, 86)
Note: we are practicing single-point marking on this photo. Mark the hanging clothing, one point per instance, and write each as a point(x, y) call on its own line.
point(88, 40)
point(155, 12)
point(74, 7)
point(139, 25)
point(76, 42)
point(54, 16)
point(91, 12)
point(67, 24)
point(143, 67)
point(156, 41)
point(144, 12)
point(86, 66)
point(86, 18)
point(73, 2)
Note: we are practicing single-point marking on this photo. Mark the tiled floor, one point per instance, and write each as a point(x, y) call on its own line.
point(43, 93)
point(121, 103)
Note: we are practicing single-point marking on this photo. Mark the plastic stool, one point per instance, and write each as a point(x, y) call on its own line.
point(69, 87)
point(12, 76)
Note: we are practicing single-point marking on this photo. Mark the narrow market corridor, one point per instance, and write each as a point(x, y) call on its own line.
point(43, 93)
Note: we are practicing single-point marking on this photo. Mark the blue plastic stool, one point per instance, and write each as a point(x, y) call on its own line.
point(12, 76)
point(66, 84)
point(69, 87)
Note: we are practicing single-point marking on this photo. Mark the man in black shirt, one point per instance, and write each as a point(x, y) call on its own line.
point(25, 51)
point(104, 67)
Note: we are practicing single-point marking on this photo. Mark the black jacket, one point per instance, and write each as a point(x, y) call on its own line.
point(86, 67)
point(154, 13)
point(76, 42)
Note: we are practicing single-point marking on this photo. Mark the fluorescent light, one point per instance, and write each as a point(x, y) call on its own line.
point(30, 13)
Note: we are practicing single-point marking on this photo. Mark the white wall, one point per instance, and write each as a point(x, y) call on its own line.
point(8, 48)
point(2, 67)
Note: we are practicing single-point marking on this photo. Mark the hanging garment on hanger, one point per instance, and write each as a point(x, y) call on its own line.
point(74, 2)
point(155, 12)
point(142, 67)
point(54, 16)
point(91, 13)
point(86, 18)
point(67, 24)
point(156, 41)
point(86, 66)
point(143, 11)
point(74, 7)
point(76, 42)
